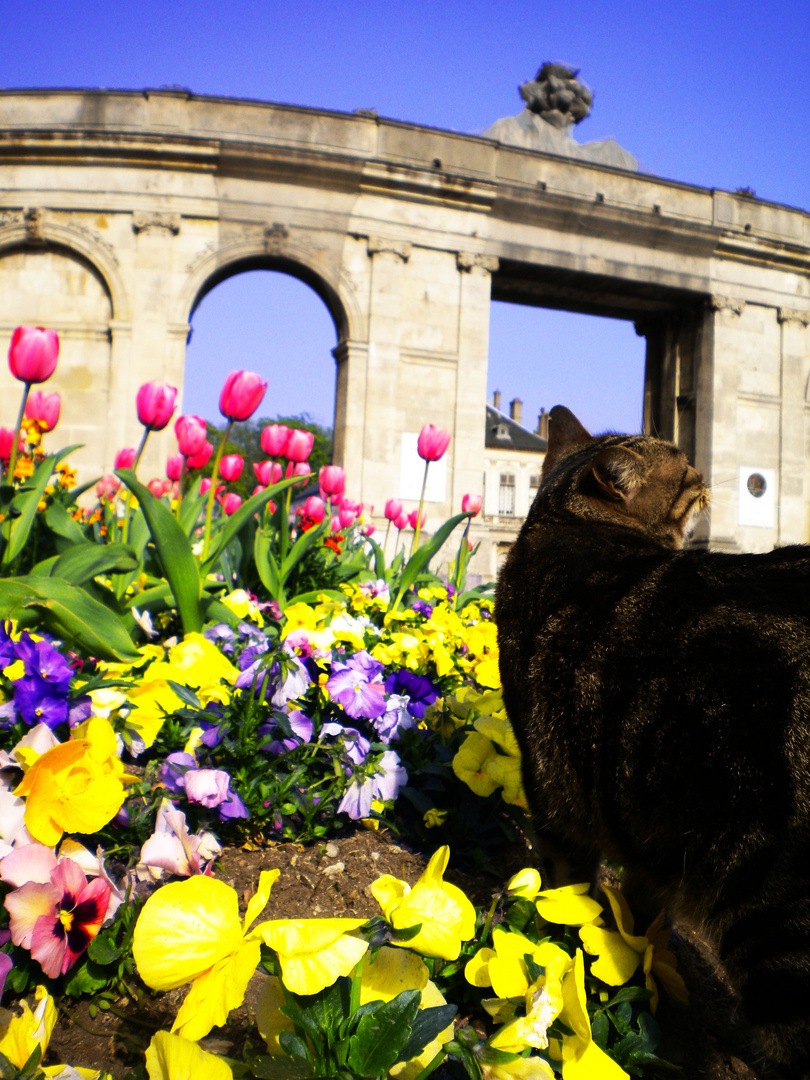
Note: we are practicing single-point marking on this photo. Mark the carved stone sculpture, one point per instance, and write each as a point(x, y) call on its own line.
point(557, 95)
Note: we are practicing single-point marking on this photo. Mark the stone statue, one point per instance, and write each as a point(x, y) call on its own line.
point(557, 96)
point(555, 101)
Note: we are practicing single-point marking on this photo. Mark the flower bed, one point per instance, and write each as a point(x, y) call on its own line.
point(183, 671)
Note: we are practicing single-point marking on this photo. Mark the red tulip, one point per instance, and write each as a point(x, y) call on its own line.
point(299, 446)
point(174, 466)
point(332, 479)
point(33, 353)
point(414, 519)
point(471, 504)
point(393, 508)
point(315, 509)
point(107, 485)
point(241, 395)
point(202, 457)
point(230, 468)
point(125, 459)
point(432, 442)
point(155, 402)
point(231, 503)
point(190, 432)
point(44, 408)
point(274, 439)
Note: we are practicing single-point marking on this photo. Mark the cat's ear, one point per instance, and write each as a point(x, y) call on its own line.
point(564, 432)
point(619, 472)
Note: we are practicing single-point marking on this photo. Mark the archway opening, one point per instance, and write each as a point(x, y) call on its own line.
point(270, 322)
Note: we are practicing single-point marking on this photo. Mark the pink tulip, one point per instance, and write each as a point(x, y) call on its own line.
point(155, 402)
point(299, 446)
point(432, 442)
point(332, 479)
point(190, 432)
point(241, 395)
point(349, 504)
point(205, 484)
point(274, 440)
point(174, 466)
point(107, 485)
point(346, 517)
point(259, 488)
point(393, 508)
point(6, 441)
point(302, 469)
point(33, 353)
point(369, 530)
point(471, 504)
point(202, 457)
point(156, 487)
point(44, 408)
point(231, 502)
point(125, 459)
point(401, 521)
point(414, 518)
point(230, 468)
point(268, 472)
point(315, 509)
point(334, 525)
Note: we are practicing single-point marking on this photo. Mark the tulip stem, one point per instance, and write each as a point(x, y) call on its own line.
point(13, 459)
point(415, 542)
point(129, 495)
point(209, 506)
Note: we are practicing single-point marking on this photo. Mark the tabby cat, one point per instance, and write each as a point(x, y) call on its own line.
point(661, 699)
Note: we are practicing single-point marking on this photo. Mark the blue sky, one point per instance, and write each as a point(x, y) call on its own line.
point(713, 94)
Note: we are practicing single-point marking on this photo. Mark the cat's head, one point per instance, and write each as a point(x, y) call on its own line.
point(636, 481)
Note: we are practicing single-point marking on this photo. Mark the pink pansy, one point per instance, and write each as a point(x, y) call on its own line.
point(274, 439)
point(432, 442)
point(171, 847)
point(208, 787)
point(28, 862)
point(59, 919)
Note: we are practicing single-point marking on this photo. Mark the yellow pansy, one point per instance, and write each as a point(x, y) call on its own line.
point(240, 603)
point(313, 953)
point(544, 1003)
point(525, 883)
point(504, 968)
point(68, 790)
point(530, 1068)
point(189, 931)
point(151, 700)
point(506, 772)
point(194, 661)
point(171, 1057)
point(444, 913)
point(100, 733)
point(620, 952)
point(470, 762)
point(582, 1059)
point(21, 1034)
point(487, 672)
point(569, 905)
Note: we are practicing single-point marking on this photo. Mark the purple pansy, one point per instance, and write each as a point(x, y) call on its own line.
point(418, 688)
point(394, 720)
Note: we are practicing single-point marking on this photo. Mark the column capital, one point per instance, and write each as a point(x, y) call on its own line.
point(786, 314)
point(468, 260)
point(380, 245)
point(731, 304)
point(143, 221)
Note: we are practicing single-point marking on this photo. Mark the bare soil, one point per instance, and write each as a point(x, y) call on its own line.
point(705, 1039)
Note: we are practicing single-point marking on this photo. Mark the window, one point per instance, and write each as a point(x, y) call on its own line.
point(506, 495)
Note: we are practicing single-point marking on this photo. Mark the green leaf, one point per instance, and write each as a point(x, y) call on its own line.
point(70, 613)
point(186, 694)
point(379, 559)
point(301, 546)
point(235, 522)
point(26, 502)
point(380, 1036)
point(174, 553)
point(267, 1067)
point(191, 508)
point(103, 950)
point(294, 1046)
point(86, 561)
point(311, 597)
point(60, 522)
point(266, 565)
point(86, 978)
point(426, 1026)
point(422, 556)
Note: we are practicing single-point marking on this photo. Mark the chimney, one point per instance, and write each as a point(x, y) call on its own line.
point(542, 425)
point(516, 410)
point(496, 400)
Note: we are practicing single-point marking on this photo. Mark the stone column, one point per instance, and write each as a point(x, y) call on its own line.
point(794, 483)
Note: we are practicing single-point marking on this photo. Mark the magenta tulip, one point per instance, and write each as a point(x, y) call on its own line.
point(174, 466)
point(259, 488)
point(190, 432)
point(401, 521)
point(332, 479)
point(230, 468)
point(33, 353)
point(415, 519)
point(471, 504)
point(432, 442)
point(205, 484)
point(299, 446)
point(302, 469)
point(393, 508)
point(241, 395)
point(267, 472)
point(6, 442)
point(202, 457)
point(125, 459)
point(44, 408)
point(274, 440)
point(231, 503)
point(315, 509)
point(155, 403)
point(346, 517)
point(334, 525)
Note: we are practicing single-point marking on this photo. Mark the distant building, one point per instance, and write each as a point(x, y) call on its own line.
point(513, 459)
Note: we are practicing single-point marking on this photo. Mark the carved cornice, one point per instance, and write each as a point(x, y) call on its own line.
point(400, 249)
point(142, 222)
point(786, 314)
point(729, 304)
point(467, 261)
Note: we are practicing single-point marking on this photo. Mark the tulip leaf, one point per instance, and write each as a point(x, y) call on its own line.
point(235, 522)
point(422, 556)
point(86, 561)
point(299, 549)
point(191, 508)
point(379, 558)
point(426, 1026)
point(266, 565)
point(376, 1044)
point(25, 504)
point(70, 613)
point(60, 522)
point(174, 553)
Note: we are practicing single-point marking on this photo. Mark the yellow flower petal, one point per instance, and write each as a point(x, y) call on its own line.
point(258, 902)
point(215, 993)
point(269, 1020)
point(470, 761)
point(476, 970)
point(617, 960)
point(313, 953)
point(624, 919)
point(21, 1034)
point(569, 905)
point(171, 1057)
point(391, 972)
